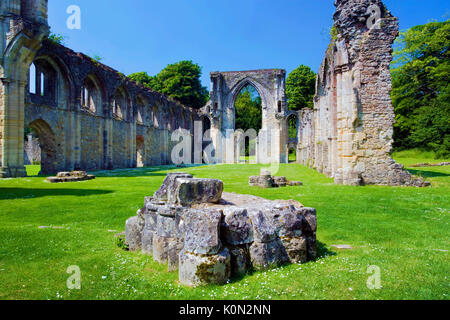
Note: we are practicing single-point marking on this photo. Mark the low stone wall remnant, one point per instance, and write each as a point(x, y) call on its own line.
point(265, 180)
point(73, 176)
point(210, 235)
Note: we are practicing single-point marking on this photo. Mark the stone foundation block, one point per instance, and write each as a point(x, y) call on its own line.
point(147, 241)
point(201, 231)
point(196, 270)
point(296, 249)
point(240, 260)
point(196, 191)
point(169, 185)
point(236, 226)
point(173, 257)
point(268, 255)
point(133, 233)
point(166, 227)
point(263, 230)
point(161, 246)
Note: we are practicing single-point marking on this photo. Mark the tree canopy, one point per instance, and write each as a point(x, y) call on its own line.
point(300, 88)
point(421, 92)
point(180, 80)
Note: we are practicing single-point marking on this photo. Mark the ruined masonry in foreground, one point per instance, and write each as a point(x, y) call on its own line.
point(210, 236)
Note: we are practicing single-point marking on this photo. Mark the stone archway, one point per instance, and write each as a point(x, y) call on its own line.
point(52, 159)
point(270, 85)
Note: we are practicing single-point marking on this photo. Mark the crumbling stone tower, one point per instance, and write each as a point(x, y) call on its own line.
point(23, 26)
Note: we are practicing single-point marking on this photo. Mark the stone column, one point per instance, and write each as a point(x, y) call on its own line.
point(12, 128)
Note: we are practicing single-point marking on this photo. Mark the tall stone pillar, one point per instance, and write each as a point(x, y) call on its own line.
point(23, 35)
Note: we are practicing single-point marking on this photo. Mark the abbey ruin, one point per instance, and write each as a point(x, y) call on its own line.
point(89, 117)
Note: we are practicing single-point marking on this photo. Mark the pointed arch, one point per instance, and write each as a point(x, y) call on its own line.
point(52, 159)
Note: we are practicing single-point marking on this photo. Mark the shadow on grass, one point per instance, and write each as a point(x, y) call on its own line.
point(144, 172)
point(322, 251)
point(23, 193)
point(428, 174)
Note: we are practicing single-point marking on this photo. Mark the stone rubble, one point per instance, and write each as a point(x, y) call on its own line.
point(73, 176)
point(210, 236)
point(265, 180)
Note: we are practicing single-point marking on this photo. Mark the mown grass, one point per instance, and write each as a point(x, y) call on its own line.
point(403, 231)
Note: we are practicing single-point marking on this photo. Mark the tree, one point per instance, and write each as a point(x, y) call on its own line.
point(180, 80)
point(143, 78)
point(420, 88)
point(248, 108)
point(300, 88)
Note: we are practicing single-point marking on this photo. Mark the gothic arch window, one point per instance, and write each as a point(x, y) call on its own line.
point(121, 105)
point(91, 98)
point(141, 116)
point(48, 82)
point(155, 117)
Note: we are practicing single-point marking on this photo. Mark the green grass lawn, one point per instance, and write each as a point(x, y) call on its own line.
point(403, 231)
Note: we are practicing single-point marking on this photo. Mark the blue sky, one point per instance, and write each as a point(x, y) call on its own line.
point(219, 35)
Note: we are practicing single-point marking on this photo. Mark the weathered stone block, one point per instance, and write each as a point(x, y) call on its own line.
point(286, 220)
point(174, 253)
point(280, 181)
point(196, 270)
point(151, 221)
point(169, 185)
point(201, 231)
point(310, 225)
point(147, 241)
point(296, 249)
point(236, 226)
point(268, 255)
point(196, 191)
point(161, 246)
point(263, 230)
point(133, 234)
point(166, 227)
point(240, 260)
point(312, 247)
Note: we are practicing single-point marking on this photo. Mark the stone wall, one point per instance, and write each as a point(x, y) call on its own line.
point(348, 136)
point(87, 115)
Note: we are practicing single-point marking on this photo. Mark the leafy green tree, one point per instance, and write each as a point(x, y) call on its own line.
point(421, 91)
point(180, 81)
point(143, 78)
point(300, 88)
point(248, 108)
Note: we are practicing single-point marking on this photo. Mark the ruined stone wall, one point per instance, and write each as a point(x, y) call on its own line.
point(353, 115)
point(225, 87)
point(87, 115)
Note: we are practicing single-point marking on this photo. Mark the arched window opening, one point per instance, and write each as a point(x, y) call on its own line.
point(155, 117)
point(248, 109)
point(42, 80)
point(121, 105)
point(32, 79)
point(141, 117)
point(248, 115)
point(90, 96)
